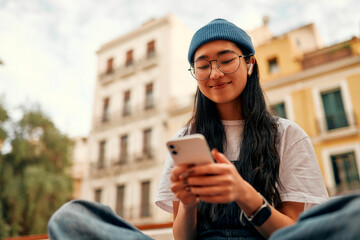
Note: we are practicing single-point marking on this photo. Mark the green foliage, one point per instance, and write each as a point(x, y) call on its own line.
point(34, 179)
point(3, 118)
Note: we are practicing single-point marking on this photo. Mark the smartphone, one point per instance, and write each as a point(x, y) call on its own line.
point(190, 149)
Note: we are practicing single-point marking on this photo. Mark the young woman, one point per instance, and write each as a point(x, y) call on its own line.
point(266, 172)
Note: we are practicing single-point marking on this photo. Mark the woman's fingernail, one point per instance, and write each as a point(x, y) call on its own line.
point(186, 174)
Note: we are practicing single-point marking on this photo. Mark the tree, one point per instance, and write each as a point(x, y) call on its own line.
point(34, 175)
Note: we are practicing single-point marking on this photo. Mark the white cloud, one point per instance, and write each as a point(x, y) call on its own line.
point(48, 47)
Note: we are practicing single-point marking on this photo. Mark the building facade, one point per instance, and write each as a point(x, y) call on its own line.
point(323, 98)
point(140, 77)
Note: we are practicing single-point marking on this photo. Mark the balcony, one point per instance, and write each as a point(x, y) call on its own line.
point(148, 61)
point(98, 170)
point(132, 162)
point(146, 155)
point(136, 113)
point(331, 131)
point(326, 55)
point(107, 77)
point(127, 70)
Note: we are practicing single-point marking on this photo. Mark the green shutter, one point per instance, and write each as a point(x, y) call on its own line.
point(334, 110)
point(345, 169)
point(280, 109)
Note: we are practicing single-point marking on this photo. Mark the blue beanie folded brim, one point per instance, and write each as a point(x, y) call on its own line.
point(220, 29)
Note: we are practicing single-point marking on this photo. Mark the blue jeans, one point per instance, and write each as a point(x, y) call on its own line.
point(79, 219)
point(335, 219)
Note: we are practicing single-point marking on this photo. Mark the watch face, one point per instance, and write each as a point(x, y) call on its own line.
point(261, 216)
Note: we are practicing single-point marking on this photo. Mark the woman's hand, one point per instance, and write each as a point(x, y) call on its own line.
point(180, 186)
point(216, 182)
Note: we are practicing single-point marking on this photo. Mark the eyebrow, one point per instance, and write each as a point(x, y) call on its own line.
point(218, 54)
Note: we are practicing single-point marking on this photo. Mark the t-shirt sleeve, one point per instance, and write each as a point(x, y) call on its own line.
point(165, 196)
point(300, 173)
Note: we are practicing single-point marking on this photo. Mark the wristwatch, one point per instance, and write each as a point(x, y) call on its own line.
point(260, 216)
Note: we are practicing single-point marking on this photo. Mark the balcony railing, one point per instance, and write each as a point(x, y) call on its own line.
point(138, 112)
point(332, 131)
point(125, 71)
point(120, 165)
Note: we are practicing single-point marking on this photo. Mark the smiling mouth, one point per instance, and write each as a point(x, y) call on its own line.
point(220, 85)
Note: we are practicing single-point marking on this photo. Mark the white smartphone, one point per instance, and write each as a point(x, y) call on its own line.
point(190, 149)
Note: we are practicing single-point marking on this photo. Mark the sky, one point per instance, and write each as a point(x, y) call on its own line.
point(48, 47)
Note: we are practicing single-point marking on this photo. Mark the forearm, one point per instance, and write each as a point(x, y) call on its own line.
point(276, 221)
point(184, 226)
point(283, 217)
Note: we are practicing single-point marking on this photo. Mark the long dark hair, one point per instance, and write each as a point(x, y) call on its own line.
point(258, 161)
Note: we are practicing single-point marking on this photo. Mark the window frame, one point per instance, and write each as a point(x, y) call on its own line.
point(98, 194)
point(105, 110)
point(102, 154)
point(287, 100)
point(320, 111)
point(147, 142)
point(120, 207)
point(145, 206)
point(126, 111)
point(327, 162)
point(110, 65)
point(151, 48)
point(271, 69)
point(149, 100)
point(129, 58)
point(123, 153)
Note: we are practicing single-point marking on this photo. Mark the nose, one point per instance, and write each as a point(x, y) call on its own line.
point(215, 71)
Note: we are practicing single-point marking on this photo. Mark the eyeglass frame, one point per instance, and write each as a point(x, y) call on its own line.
point(217, 65)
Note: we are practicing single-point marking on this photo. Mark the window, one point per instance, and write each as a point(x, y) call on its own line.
point(120, 194)
point(109, 67)
point(129, 58)
point(123, 148)
point(150, 49)
point(105, 116)
point(145, 199)
point(149, 96)
point(280, 109)
point(273, 66)
point(126, 108)
point(97, 195)
point(147, 143)
point(345, 169)
point(101, 159)
point(298, 42)
point(334, 110)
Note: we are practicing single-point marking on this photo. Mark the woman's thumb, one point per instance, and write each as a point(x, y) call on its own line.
point(219, 157)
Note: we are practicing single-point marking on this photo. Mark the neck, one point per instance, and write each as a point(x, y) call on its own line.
point(230, 111)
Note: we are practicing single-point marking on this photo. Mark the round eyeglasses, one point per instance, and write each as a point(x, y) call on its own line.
point(227, 63)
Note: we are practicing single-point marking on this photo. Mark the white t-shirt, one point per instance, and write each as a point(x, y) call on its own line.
point(299, 172)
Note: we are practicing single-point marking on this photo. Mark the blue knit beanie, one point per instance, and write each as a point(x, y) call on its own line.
point(220, 29)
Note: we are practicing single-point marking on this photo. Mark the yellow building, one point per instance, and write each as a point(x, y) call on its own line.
point(318, 88)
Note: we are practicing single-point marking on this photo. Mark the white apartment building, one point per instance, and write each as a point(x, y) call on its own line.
point(142, 78)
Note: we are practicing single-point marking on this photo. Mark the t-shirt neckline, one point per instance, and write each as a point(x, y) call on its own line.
point(233, 122)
